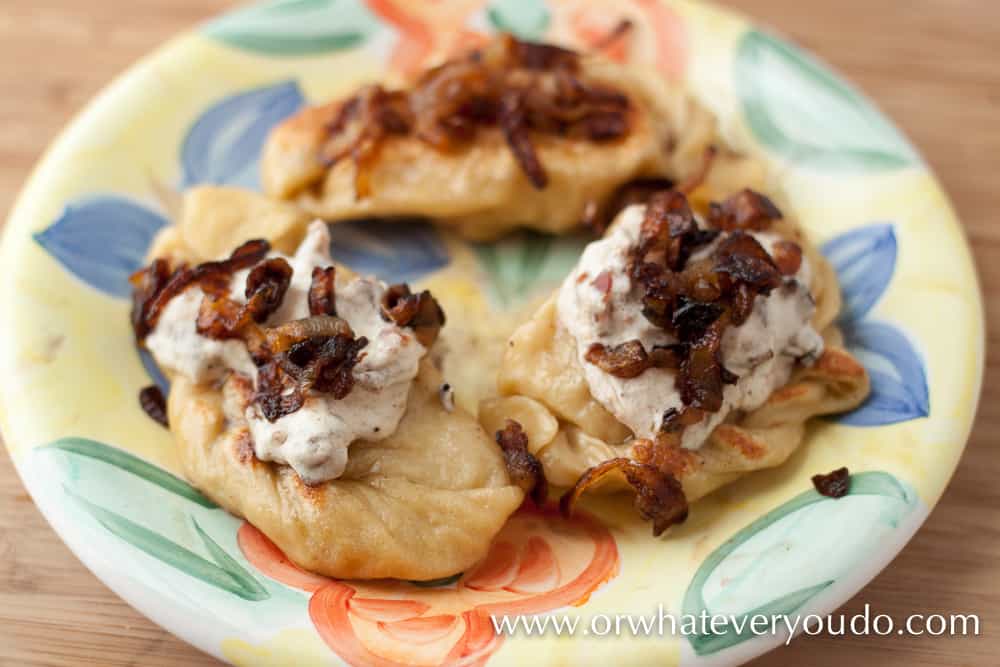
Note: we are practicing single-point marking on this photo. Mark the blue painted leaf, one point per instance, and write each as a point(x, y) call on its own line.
point(296, 27)
point(899, 381)
point(781, 561)
point(395, 251)
point(864, 259)
point(528, 19)
point(224, 144)
point(154, 372)
point(102, 240)
point(796, 107)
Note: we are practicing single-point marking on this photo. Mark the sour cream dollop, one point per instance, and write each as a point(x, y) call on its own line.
point(314, 440)
point(762, 351)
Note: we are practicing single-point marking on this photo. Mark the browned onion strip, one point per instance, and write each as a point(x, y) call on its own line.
point(280, 338)
point(277, 394)
point(743, 259)
point(746, 209)
point(399, 305)
point(151, 306)
point(659, 497)
point(322, 291)
point(221, 318)
point(787, 257)
point(421, 312)
point(151, 292)
point(147, 283)
point(317, 353)
point(427, 323)
point(518, 87)
point(331, 370)
point(637, 191)
point(626, 360)
point(266, 286)
point(835, 484)
point(515, 131)
point(524, 469)
point(669, 232)
point(153, 404)
point(695, 301)
point(538, 56)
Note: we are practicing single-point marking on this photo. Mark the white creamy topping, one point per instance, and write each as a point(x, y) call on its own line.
point(762, 351)
point(313, 440)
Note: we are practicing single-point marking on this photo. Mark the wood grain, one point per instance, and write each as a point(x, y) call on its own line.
point(931, 64)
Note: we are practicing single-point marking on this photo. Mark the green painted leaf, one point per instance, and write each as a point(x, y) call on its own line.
point(131, 464)
point(798, 108)
point(169, 552)
point(246, 580)
point(783, 606)
point(522, 263)
point(794, 552)
point(528, 19)
point(295, 27)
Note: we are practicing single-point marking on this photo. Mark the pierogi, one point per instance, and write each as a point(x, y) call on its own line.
point(303, 398)
point(516, 134)
point(602, 374)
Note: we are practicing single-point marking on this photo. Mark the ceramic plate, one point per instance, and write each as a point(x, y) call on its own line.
point(198, 110)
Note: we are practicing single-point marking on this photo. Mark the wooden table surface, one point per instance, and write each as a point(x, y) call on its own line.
point(931, 64)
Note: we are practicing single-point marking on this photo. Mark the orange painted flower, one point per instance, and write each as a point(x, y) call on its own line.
point(539, 562)
point(636, 31)
point(428, 30)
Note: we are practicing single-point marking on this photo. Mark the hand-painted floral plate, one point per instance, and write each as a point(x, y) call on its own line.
point(197, 111)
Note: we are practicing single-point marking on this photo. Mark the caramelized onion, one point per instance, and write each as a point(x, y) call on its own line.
point(524, 469)
point(835, 484)
point(316, 353)
point(514, 125)
point(700, 377)
point(265, 288)
point(420, 312)
point(280, 338)
point(147, 283)
point(787, 257)
point(322, 291)
point(331, 372)
point(277, 393)
point(153, 404)
point(519, 87)
point(627, 360)
point(696, 301)
point(746, 209)
point(742, 258)
point(152, 290)
point(637, 191)
point(658, 495)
